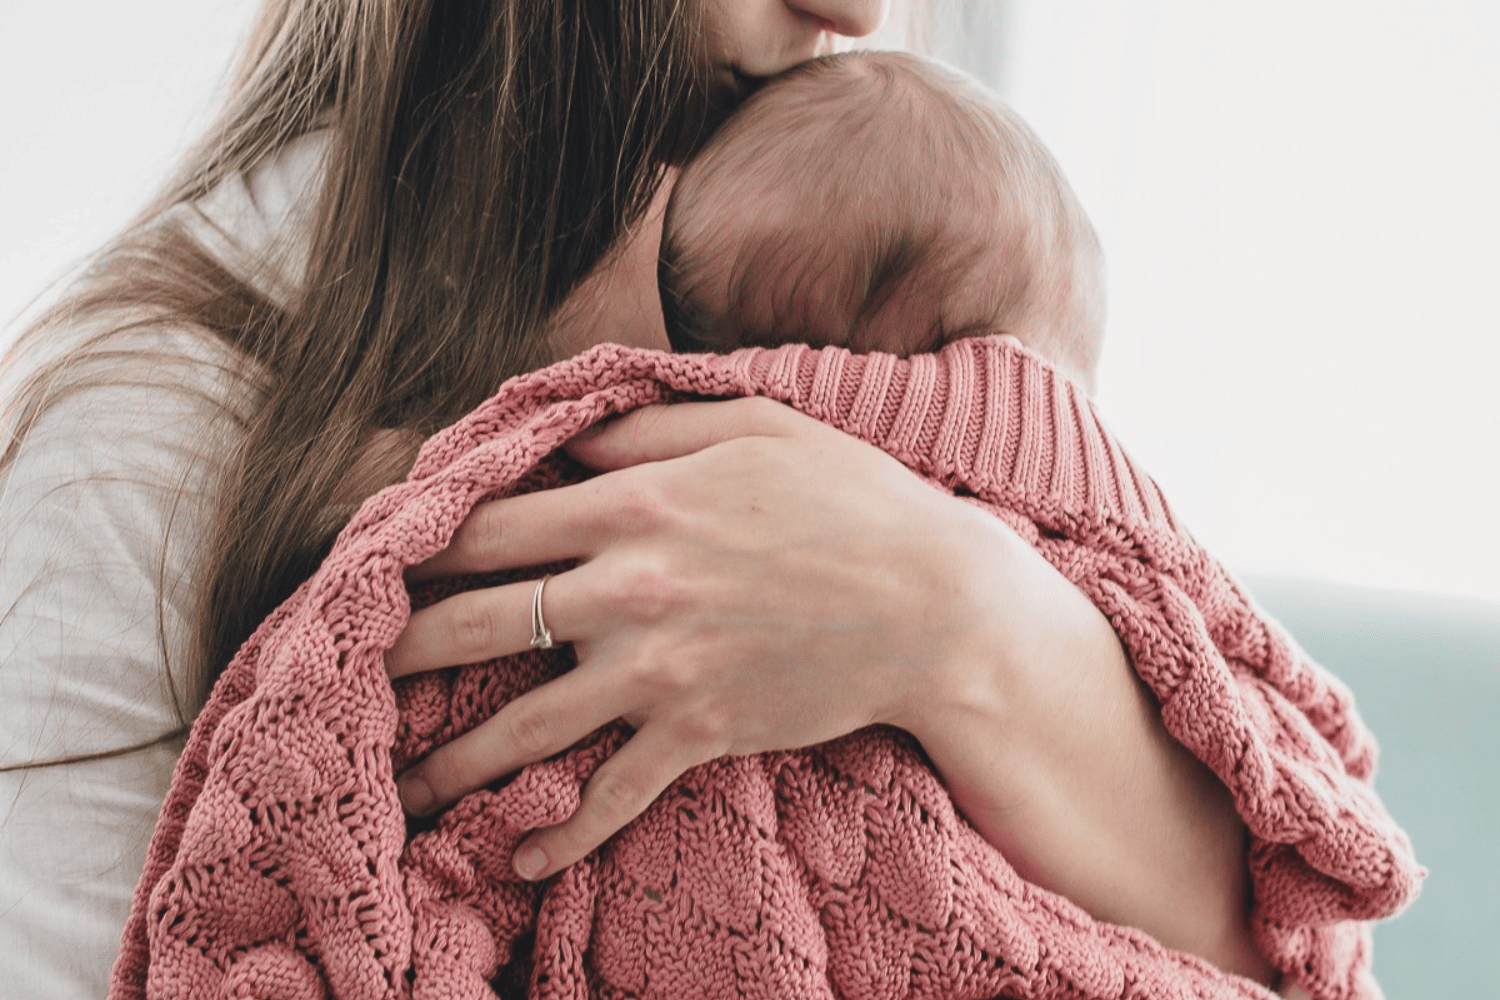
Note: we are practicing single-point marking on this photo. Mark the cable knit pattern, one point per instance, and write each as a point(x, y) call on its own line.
point(283, 867)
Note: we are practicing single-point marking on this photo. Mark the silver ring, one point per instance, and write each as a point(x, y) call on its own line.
point(541, 635)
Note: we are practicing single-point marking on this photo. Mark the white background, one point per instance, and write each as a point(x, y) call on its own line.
point(1299, 204)
point(97, 99)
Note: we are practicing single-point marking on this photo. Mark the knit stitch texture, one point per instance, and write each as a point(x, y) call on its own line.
point(282, 865)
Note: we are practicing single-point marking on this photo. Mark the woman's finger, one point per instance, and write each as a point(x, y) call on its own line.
point(574, 522)
point(619, 791)
point(658, 433)
point(534, 726)
point(479, 625)
point(527, 530)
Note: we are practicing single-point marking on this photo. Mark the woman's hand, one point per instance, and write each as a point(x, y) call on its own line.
point(753, 580)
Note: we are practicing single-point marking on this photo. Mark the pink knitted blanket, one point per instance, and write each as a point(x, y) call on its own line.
point(283, 867)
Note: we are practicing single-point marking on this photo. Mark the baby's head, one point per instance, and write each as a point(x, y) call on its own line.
point(879, 202)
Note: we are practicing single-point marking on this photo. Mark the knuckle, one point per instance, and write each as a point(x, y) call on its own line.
point(767, 413)
point(707, 726)
point(445, 773)
point(763, 406)
point(530, 732)
point(471, 629)
point(758, 451)
point(661, 674)
point(486, 527)
point(617, 795)
point(640, 509)
point(469, 538)
point(648, 593)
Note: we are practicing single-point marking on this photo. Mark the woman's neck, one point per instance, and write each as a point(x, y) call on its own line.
point(619, 302)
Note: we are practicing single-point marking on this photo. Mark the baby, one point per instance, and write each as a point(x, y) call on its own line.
point(880, 202)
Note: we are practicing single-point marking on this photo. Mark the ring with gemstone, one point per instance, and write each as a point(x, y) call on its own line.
point(541, 635)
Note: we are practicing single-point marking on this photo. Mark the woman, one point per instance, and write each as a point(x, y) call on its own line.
point(404, 204)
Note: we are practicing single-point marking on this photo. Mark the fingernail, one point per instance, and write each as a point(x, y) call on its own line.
point(531, 862)
point(416, 794)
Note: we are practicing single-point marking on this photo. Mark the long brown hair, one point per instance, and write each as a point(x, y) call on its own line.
point(483, 156)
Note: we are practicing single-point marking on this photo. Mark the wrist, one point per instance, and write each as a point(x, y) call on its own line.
point(1055, 752)
point(975, 705)
point(1019, 642)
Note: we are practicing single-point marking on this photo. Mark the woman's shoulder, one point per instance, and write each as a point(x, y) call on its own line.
point(104, 485)
point(117, 427)
point(118, 394)
point(111, 454)
point(116, 432)
point(259, 224)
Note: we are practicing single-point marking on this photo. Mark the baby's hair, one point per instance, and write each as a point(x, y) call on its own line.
point(854, 179)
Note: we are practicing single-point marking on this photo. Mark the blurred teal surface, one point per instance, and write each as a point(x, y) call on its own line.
point(1425, 672)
